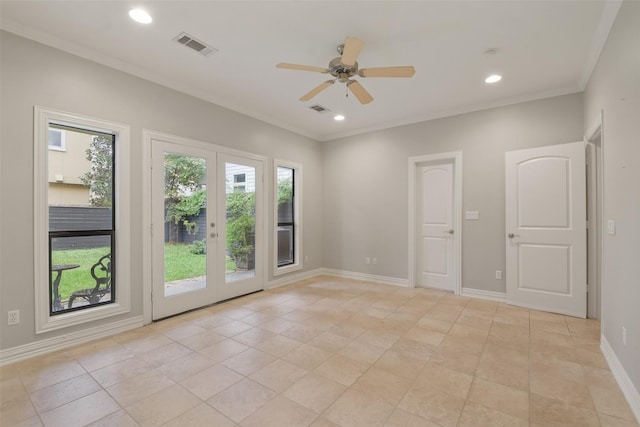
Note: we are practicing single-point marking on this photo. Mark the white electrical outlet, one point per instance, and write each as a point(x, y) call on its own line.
point(374, 261)
point(367, 260)
point(498, 274)
point(13, 317)
point(306, 258)
point(624, 335)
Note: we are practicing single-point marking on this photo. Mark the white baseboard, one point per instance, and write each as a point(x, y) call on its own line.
point(292, 278)
point(367, 277)
point(482, 294)
point(60, 342)
point(627, 387)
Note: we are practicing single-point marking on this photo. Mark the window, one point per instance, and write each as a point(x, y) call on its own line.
point(82, 221)
point(239, 183)
point(56, 139)
point(288, 179)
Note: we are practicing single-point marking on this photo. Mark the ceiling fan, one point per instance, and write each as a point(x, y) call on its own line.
point(344, 67)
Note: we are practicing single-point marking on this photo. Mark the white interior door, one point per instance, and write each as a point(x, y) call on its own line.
point(546, 228)
point(435, 226)
point(181, 279)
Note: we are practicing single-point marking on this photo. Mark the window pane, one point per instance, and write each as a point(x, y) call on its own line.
point(80, 181)
point(285, 245)
point(286, 226)
point(185, 233)
point(80, 198)
point(241, 221)
point(80, 271)
point(56, 138)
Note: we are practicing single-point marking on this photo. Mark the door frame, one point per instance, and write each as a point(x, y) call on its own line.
point(455, 158)
point(147, 264)
point(594, 137)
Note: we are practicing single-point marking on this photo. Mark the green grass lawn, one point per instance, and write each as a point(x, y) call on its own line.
point(179, 264)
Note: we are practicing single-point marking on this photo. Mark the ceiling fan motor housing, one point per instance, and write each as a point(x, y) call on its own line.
point(340, 71)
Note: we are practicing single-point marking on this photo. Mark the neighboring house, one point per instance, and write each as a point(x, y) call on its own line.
point(240, 178)
point(67, 163)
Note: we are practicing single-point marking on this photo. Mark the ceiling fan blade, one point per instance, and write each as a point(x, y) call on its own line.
point(302, 67)
point(317, 90)
point(351, 50)
point(387, 72)
point(360, 92)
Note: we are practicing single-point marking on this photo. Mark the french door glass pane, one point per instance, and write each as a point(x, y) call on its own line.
point(185, 247)
point(240, 201)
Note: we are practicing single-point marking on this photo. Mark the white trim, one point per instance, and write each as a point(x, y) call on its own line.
point(297, 217)
point(595, 209)
point(363, 276)
point(283, 281)
point(626, 385)
point(455, 158)
point(48, 345)
point(44, 321)
point(482, 294)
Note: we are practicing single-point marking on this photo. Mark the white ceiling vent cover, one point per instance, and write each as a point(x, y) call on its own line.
point(192, 43)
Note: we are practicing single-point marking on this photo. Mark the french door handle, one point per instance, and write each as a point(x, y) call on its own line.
point(511, 235)
point(448, 232)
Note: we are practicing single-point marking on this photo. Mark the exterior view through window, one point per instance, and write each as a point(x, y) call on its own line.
point(286, 224)
point(81, 221)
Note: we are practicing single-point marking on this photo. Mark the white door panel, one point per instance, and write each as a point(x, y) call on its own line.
point(546, 228)
point(435, 216)
point(172, 296)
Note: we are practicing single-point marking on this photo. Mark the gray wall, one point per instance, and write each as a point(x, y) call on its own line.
point(34, 74)
point(365, 184)
point(614, 88)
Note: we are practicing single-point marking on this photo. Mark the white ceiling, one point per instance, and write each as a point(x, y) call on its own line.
point(545, 48)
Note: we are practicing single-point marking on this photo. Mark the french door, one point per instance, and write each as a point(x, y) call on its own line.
point(207, 227)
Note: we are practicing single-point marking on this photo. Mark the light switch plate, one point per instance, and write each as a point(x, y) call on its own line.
point(472, 215)
point(611, 227)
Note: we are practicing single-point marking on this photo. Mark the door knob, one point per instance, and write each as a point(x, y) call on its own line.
point(511, 235)
point(448, 232)
point(214, 235)
point(213, 224)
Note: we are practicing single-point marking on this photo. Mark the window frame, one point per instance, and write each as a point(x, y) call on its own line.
point(46, 321)
point(297, 217)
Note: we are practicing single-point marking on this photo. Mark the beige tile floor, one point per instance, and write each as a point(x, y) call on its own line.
point(328, 352)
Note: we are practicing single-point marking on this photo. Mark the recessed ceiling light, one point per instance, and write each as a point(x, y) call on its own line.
point(338, 117)
point(493, 78)
point(140, 16)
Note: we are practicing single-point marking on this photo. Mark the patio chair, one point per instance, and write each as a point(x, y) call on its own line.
point(101, 273)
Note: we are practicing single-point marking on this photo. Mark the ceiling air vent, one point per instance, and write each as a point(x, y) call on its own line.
point(200, 47)
point(319, 108)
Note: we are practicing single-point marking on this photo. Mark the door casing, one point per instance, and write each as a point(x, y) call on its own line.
point(415, 164)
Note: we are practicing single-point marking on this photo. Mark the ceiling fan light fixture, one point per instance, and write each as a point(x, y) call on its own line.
point(140, 15)
point(338, 117)
point(493, 78)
